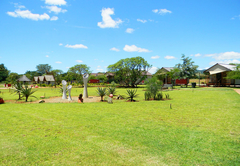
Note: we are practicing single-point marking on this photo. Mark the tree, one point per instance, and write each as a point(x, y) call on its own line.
point(130, 71)
point(27, 92)
point(187, 69)
point(173, 74)
point(12, 78)
point(57, 75)
point(235, 74)
point(3, 72)
point(77, 72)
point(43, 68)
point(102, 78)
point(32, 74)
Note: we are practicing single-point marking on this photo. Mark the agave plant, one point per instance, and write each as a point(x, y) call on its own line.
point(101, 92)
point(131, 94)
point(27, 92)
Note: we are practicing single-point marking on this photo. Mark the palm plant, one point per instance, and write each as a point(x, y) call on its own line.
point(111, 90)
point(17, 90)
point(131, 94)
point(101, 92)
point(27, 92)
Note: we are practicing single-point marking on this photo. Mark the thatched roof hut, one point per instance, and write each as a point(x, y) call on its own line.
point(24, 79)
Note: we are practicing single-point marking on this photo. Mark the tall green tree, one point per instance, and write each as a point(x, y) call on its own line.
point(57, 75)
point(130, 71)
point(77, 72)
point(12, 78)
point(31, 74)
point(43, 68)
point(187, 69)
point(4, 72)
point(235, 74)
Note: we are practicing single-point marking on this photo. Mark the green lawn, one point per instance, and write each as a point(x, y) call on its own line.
point(202, 128)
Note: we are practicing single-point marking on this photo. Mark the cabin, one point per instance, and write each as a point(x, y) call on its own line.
point(46, 79)
point(24, 80)
point(217, 74)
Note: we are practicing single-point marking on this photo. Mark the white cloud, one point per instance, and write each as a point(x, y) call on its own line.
point(16, 5)
point(161, 11)
point(155, 10)
point(224, 55)
point(107, 21)
point(143, 21)
point(55, 2)
point(76, 46)
point(56, 9)
point(98, 66)
point(114, 49)
point(197, 55)
point(79, 61)
point(99, 69)
point(224, 61)
point(54, 18)
point(155, 57)
point(28, 14)
point(47, 56)
point(58, 62)
point(169, 57)
point(129, 30)
point(153, 70)
point(134, 48)
point(60, 44)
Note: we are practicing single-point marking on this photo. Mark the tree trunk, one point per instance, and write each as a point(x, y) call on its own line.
point(19, 96)
point(26, 98)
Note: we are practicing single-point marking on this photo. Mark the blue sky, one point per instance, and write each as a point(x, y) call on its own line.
point(63, 33)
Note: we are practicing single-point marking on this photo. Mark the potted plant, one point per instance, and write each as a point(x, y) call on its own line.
point(1, 100)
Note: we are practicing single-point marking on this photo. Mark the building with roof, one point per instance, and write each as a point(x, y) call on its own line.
point(46, 79)
point(164, 71)
point(24, 79)
point(217, 74)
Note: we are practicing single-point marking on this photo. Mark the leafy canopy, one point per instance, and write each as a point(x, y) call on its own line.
point(130, 71)
point(187, 68)
point(43, 68)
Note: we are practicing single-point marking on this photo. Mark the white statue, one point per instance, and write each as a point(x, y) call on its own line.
point(69, 92)
point(85, 80)
point(64, 83)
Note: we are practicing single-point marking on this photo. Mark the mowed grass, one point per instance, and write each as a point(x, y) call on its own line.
point(202, 128)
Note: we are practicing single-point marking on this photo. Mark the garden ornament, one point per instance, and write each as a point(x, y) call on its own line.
point(64, 83)
point(69, 92)
point(85, 80)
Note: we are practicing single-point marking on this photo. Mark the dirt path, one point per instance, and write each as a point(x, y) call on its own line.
point(74, 99)
point(237, 90)
point(60, 100)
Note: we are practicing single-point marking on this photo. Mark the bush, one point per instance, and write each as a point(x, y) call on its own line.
point(147, 95)
point(159, 96)
point(153, 85)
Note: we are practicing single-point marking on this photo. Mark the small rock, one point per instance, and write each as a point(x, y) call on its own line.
point(41, 101)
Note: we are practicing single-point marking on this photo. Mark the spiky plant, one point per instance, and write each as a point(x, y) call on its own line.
point(27, 92)
point(111, 90)
point(131, 94)
point(18, 87)
point(101, 92)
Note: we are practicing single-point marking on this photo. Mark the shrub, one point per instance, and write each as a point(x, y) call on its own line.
point(153, 85)
point(159, 96)
point(167, 96)
point(111, 90)
point(147, 95)
point(131, 94)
